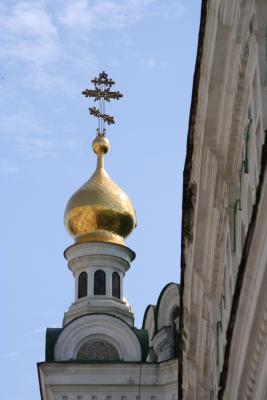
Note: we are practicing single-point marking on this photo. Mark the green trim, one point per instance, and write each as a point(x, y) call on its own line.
point(237, 203)
point(159, 301)
point(156, 308)
point(222, 302)
point(146, 312)
point(164, 290)
point(52, 335)
point(247, 136)
point(141, 334)
point(241, 273)
point(51, 339)
point(245, 167)
point(143, 338)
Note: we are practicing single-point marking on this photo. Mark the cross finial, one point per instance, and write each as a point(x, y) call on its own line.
point(102, 93)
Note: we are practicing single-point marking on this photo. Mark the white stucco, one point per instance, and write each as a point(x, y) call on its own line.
point(227, 130)
point(97, 326)
point(91, 257)
point(169, 301)
point(122, 381)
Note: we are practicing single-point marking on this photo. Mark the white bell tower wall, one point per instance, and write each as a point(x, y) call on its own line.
point(99, 296)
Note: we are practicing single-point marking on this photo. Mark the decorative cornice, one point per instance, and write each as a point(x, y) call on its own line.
point(241, 273)
point(187, 188)
point(258, 354)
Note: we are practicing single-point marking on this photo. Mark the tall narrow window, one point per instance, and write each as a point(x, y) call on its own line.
point(116, 285)
point(175, 316)
point(82, 285)
point(100, 282)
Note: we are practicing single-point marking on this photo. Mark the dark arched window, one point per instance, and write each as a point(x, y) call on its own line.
point(175, 316)
point(116, 285)
point(82, 285)
point(100, 282)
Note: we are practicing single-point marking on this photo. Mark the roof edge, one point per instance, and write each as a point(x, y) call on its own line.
point(241, 273)
point(187, 191)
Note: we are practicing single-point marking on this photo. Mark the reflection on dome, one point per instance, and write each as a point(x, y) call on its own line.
point(100, 210)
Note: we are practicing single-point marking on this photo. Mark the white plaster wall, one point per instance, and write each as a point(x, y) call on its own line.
point(231, 89)
point(97, 326)
point(91, 257)
point(109, 381)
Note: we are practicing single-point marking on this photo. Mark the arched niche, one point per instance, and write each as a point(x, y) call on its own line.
point(169, 300)
point(99, 282)
point(82, 285)
point(100, 328)
point(97, 350)
point(116, 285)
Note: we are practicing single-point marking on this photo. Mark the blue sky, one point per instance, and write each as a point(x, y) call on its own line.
point(50, 50)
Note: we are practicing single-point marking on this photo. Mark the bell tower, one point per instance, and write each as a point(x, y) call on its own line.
point(98, 353)
point(99, 216)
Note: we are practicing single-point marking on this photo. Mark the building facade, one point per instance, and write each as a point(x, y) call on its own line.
point(223, 325)
point(207, 337)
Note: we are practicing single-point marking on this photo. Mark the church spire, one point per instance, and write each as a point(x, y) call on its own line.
point(102, 93)
point(100, 210)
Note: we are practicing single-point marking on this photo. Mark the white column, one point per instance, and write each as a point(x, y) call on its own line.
point(90, 283)
point(109, 272)
point(121, 278)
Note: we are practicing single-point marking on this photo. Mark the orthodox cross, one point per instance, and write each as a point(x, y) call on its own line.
point(102, 93)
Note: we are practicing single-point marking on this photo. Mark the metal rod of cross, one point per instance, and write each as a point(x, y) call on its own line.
point(101, 93)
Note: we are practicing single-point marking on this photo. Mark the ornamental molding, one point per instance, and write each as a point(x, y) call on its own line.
point(245, 343)
point(258, 354)
point(208, 175)
point(97, 327)
point(98, 260)
point(168, 302)
point(106, 374)
point(149, 321)
point(99, 248)
point(91, 261)
point(95, 349)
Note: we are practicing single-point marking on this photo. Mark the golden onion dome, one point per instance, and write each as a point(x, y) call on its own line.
point(100, 210)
